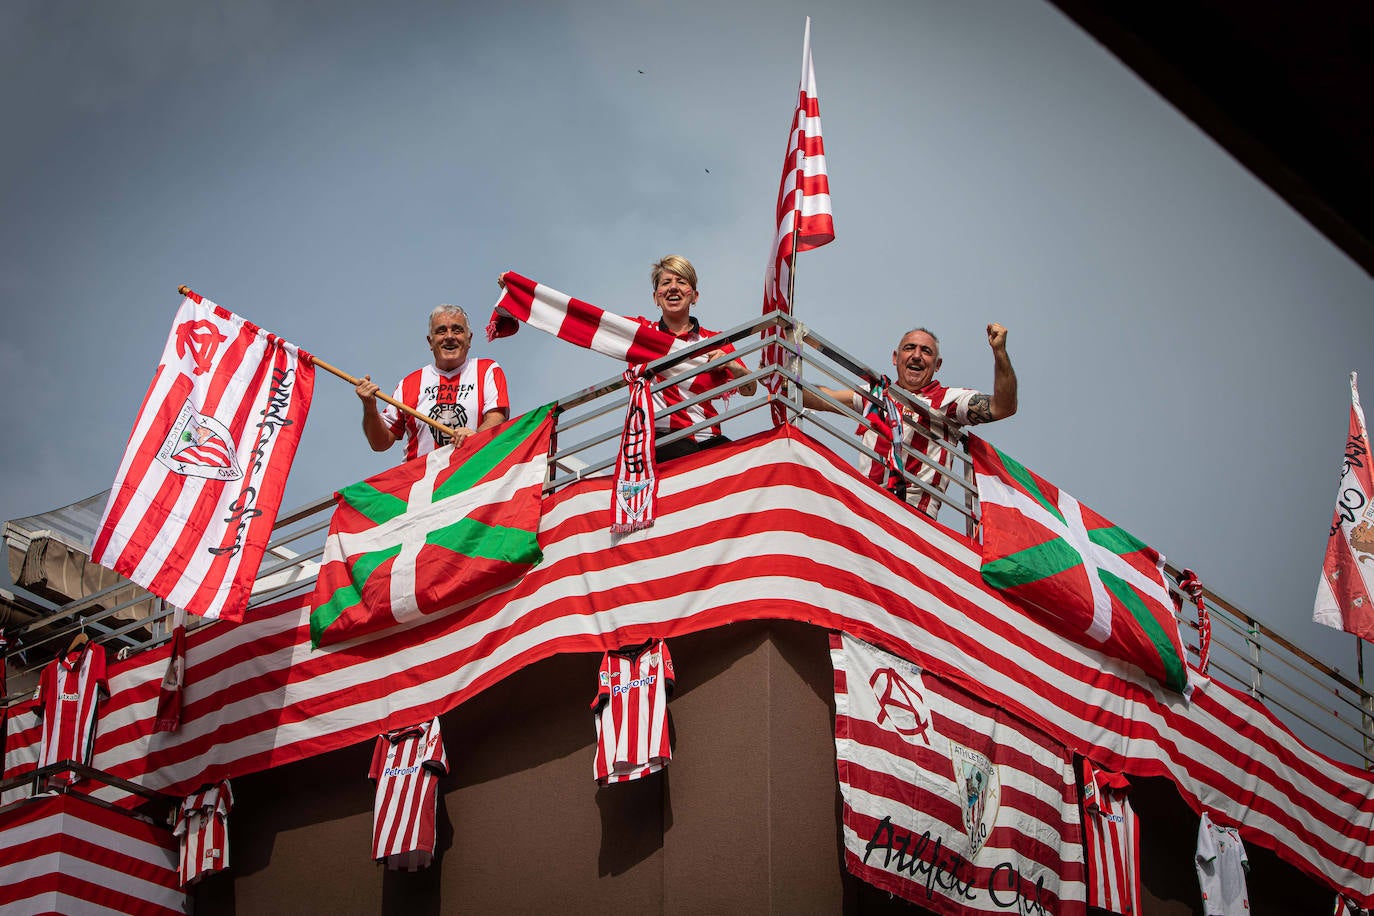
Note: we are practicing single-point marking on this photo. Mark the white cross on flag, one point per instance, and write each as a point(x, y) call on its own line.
point(423, 536)
point(1347, 581)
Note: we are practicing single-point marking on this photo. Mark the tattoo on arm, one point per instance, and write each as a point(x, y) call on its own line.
point(980, 409)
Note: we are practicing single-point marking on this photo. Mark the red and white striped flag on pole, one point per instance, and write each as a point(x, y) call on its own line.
point(804, 220)
point(198, 490)
point(1346, 584)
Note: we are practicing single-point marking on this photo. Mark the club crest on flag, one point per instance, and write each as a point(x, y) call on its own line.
point(200, 446)
point(980, 793)
point(200, 339)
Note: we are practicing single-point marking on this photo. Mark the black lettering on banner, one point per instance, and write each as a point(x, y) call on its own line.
point(241, 510)
point(633, 451)
point(928, 858)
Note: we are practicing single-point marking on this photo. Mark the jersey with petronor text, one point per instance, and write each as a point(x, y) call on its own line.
point(631, 708)
point(1113, 841)
point(407, 764)
point(69, 691)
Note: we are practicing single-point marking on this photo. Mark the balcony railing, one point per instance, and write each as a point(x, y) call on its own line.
point(1328, 710)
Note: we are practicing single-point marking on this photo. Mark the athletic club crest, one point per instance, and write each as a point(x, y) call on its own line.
point(200, 446)
point(979, 791)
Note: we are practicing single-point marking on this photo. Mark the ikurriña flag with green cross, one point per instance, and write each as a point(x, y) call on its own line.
point(428, 534)
point(1090, 580)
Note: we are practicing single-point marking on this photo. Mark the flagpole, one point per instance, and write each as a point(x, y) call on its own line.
point(334, 370)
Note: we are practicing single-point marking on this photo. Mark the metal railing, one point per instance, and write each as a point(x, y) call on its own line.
point(1321, 705)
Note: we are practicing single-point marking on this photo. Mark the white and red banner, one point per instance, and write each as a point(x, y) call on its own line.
point(67, 854)
point(804, 219)
point(201, 481)
point(773, 526)
point(593, 328)
point(1347, 580)
point(949, 801)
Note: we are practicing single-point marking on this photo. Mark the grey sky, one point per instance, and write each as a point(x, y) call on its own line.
point(332, 170)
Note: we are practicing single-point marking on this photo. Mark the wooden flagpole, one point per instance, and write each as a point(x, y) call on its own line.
point(334, 370)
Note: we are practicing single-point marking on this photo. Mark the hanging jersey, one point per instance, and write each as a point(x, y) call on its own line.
point(407, 764)
point(69, 691)
point(949, 415)
point(1221, 867)
point(671, 395)
point(1113, 841)
point(455, 399)
point(631, 708)
point(202, 823)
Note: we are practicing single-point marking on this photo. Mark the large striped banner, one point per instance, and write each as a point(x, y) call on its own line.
point(949, 801)
point(198, 489)
point(67, 854)
point(772, 526)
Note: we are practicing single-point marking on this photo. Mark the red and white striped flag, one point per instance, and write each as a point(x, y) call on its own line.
point(592, 327)
point(949, 801)
point(804, 220)
point(1346, 584)
point(198, 490)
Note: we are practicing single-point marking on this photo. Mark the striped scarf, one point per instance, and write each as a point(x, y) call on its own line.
point(588, 326)
point(636, 483)
point(1190, 583)
point(887, 420)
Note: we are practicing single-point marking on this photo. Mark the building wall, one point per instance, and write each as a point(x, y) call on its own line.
point(745, 819)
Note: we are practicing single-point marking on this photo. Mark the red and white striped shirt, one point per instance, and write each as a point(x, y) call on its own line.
point(1113, 841)
point(456, 399)
point(203, 824)
point(407, 764)
point(949, 415)
point(674, 394)
point(69, 690)
point(631, 709)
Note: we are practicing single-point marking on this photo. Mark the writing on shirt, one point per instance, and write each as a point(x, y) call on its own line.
point(69, 697)
point(637, 682)
point(401, 771)
point(447, 392)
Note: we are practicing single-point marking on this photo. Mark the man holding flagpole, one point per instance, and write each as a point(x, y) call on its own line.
point(948, 411)
point(464, 394)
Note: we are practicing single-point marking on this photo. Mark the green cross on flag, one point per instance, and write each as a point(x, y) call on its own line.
point(1092, 581)
point(430, 533)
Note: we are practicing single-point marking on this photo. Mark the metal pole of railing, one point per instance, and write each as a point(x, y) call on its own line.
point(1252, 638)
point(1366, 705)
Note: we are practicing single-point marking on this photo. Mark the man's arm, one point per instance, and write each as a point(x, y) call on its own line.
point(843, 395)
point(492, 418)
point(1002, 403)
point(375, 428)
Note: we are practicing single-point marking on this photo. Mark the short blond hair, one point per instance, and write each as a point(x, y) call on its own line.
point(674, 264)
